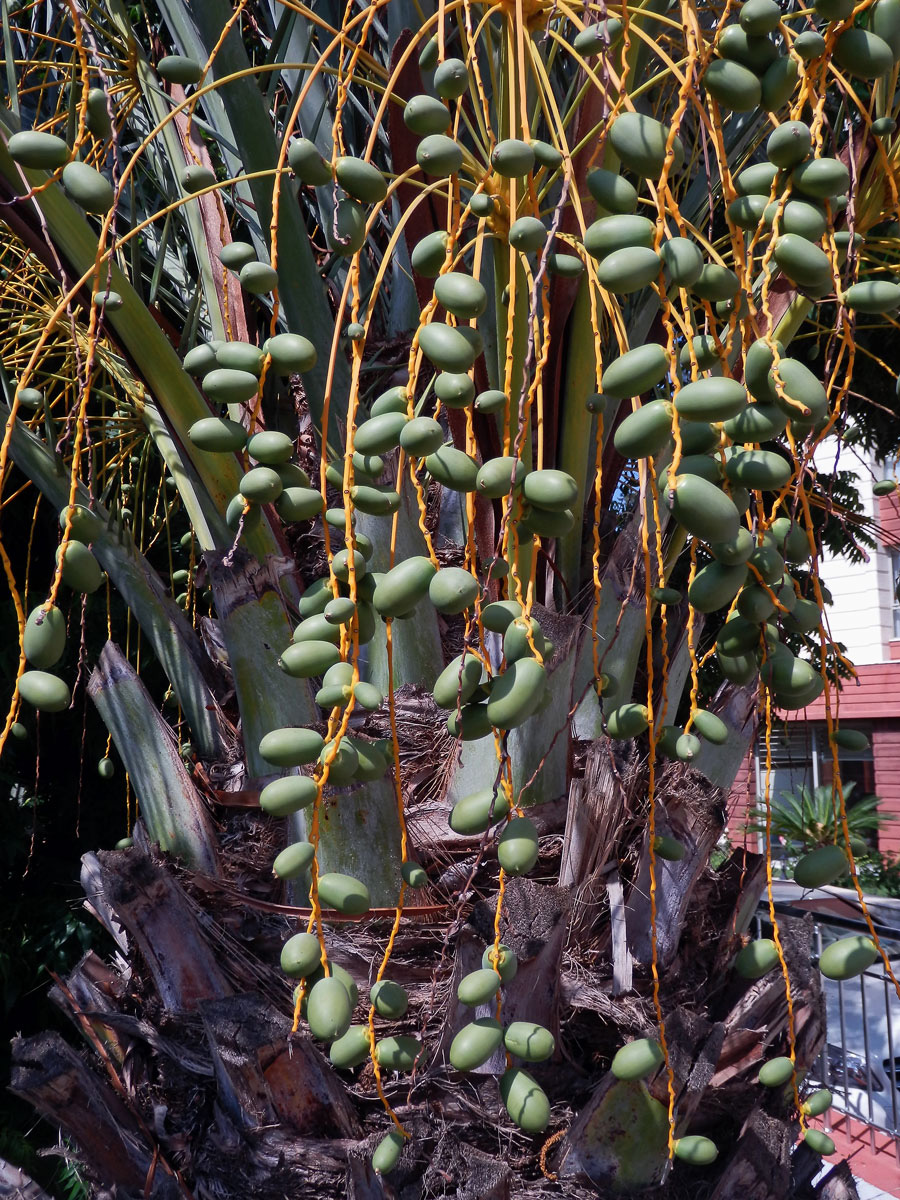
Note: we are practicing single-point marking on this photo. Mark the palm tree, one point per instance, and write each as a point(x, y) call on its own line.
point(809, 817)
point(475, 289)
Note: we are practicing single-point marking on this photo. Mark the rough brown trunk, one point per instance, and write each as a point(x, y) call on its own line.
point(191, 1082)
point(16, 1185)
point(54, 1080)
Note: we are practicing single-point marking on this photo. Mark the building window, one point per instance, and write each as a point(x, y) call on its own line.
point(857, 766)
point(794, 763)
point(801, 757)
point(895, 588)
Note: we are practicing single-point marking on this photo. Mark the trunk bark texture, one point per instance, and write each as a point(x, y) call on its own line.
point(189, 1081)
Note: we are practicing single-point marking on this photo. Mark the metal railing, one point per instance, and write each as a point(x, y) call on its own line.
point(860, 1063)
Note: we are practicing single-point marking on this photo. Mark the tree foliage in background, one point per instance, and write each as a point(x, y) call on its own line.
point(806, 817)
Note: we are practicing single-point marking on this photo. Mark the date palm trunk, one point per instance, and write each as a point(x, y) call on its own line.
point(182, 1052)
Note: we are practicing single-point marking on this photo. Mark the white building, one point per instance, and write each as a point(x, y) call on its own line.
point(865, 615)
